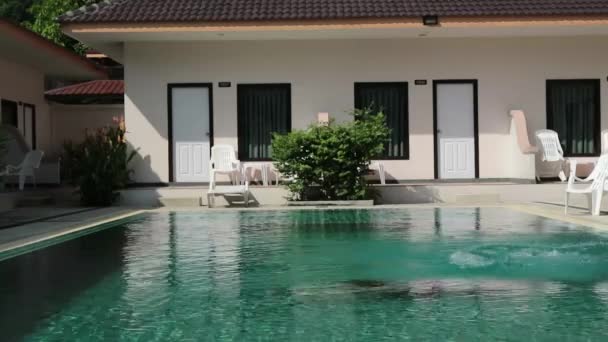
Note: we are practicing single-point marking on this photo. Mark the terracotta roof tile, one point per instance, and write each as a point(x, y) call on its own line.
point(100, 87)
point(255, 10)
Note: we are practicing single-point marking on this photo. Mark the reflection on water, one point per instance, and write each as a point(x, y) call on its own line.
point(368, 275)
point(35, 286)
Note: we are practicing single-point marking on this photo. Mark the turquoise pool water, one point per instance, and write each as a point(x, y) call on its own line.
point(337, 275)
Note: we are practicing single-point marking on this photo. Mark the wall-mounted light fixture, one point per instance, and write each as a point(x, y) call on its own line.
point(430, 20)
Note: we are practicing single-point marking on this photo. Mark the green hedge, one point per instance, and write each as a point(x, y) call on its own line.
point(331, 162)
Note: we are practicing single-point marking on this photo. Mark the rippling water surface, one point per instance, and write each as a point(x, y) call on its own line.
point(337, 275)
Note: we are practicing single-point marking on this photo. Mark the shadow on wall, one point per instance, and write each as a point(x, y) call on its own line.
point(140, 160)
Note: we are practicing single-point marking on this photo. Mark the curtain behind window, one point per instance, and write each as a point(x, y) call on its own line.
point(392, 99)
point(263, 109)
point(573, 112)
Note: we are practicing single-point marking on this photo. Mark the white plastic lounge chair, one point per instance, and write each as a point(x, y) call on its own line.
point(378, 165)
point(223, 161)
point(30, 163)
point(593, 186)
point(222, 190)
point(550, 149)
point(605, 141)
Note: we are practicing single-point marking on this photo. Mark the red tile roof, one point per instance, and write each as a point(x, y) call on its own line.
point(129, 11)
point(101, 87)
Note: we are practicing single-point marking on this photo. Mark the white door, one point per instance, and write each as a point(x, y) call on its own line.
point(456, 130)
point(190, 107)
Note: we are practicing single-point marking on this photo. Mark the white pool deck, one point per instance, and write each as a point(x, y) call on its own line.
point(44, 229)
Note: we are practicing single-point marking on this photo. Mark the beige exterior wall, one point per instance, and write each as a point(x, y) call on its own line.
point(70, 122)
point(21, 83)
point(511, 74)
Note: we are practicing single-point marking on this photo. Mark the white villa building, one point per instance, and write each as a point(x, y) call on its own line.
point(446, 73)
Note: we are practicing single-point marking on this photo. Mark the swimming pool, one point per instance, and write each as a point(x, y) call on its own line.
point(459, 274)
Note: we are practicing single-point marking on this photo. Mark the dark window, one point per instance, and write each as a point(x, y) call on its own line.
point(392, 99)
point(263, 109)
point(9, 113)
point(573, 111)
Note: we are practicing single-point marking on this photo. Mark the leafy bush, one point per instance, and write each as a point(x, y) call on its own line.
point(4, 139)
point(99, 165)
point(331, 162)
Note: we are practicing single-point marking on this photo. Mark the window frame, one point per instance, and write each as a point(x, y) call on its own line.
point(597, 115)
point(33, 123)
point(406, 137)
point(240, 134)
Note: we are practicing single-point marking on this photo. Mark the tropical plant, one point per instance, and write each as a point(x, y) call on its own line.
point(4, 140)
point(3, 144)
point(330, 162)
point(98, 166)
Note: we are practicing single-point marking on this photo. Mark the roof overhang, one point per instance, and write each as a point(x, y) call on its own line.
point(92, 92)
point(22, 46)
point(109, 37)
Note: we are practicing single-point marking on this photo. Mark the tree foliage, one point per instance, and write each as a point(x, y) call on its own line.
point(40, 16)
point(44, 22)
point(331, 162)
point(16, 10)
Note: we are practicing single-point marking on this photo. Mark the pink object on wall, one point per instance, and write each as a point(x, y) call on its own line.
point(323, 119)
point(522, 132)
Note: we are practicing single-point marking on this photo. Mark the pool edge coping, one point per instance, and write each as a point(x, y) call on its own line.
point(11, 251)
point(540, 209)
point(46, 241)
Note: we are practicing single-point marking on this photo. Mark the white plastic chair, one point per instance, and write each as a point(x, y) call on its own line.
point(223, 161)
point(550, 149)
point(30, 163)
point(593, 186)
point(605, 141)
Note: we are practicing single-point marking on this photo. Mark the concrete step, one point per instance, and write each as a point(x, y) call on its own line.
point(181, 202)
point(34, 200)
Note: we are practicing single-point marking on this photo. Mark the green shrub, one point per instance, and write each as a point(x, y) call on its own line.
point(4, 139)
point(98, 166)
point(331, 162)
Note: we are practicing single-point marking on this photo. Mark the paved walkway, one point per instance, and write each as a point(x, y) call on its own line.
point(21, 216)
point(65, 221)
